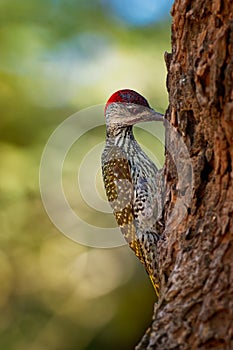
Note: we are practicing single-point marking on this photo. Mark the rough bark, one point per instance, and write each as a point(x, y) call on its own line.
point(195, 309)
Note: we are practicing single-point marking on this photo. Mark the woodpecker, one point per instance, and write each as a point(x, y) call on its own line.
point(129, 177)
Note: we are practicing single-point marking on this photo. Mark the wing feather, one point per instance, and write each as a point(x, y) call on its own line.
point(120, 193)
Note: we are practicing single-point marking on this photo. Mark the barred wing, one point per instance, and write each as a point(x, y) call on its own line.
point(119, 190)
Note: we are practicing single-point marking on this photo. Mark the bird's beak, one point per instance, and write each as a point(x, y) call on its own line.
point(133, 114)
point(144, 115)
point(128, 114)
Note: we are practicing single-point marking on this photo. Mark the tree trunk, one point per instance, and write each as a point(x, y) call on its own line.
point(195, 309)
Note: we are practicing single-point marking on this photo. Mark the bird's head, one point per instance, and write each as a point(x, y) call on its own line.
point(127, 107)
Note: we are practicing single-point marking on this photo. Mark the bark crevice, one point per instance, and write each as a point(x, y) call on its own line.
point(195, 310)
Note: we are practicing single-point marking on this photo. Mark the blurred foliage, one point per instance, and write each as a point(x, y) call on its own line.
point(58, 57)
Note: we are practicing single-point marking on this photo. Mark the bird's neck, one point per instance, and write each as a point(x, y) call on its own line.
point(125, 141)
point(120, 136)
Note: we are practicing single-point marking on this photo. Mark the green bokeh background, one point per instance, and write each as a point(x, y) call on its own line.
point(57, 58)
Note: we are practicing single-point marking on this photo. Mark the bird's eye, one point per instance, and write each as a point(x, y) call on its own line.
point(132, 109)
